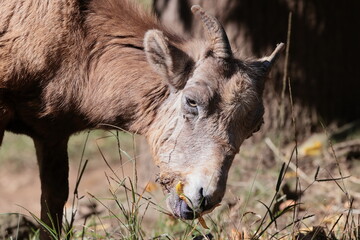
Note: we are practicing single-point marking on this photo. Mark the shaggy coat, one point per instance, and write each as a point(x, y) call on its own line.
point(70, 65)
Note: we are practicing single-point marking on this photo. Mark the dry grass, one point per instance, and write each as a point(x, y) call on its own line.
point(265, 199)
point(299, 190)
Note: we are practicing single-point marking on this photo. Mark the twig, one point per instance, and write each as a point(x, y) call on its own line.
point(279, 155)
point(282, 107)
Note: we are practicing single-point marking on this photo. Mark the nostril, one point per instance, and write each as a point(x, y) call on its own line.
point(203, 200)
point(201, 191)
point(203, 203)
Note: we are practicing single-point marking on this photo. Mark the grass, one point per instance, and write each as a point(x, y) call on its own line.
point(276, 203)
point(275, 191)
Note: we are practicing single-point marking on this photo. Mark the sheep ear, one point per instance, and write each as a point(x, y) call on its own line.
point(269, 61)
point(171, 63)
point(158, 53)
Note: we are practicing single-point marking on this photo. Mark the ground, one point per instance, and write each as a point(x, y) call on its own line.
point(253, 183)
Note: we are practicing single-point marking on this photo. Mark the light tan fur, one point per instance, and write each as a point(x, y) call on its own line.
point(70, 65)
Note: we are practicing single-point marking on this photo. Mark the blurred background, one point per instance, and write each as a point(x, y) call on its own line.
point(323, 121)
point(323, 51)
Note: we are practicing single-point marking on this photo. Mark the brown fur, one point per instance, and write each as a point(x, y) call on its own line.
point(69, 65)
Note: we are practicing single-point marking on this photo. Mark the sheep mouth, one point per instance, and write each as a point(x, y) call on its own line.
point(180, 209)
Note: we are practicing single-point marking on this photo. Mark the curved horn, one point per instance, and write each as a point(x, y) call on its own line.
point(217, 34)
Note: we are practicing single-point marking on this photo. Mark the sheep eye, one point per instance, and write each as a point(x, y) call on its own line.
point(191, 103)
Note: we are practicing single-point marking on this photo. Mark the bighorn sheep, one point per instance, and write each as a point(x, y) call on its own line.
point(71, 65)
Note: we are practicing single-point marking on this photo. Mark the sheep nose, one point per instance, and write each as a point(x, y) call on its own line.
point(196, 206)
